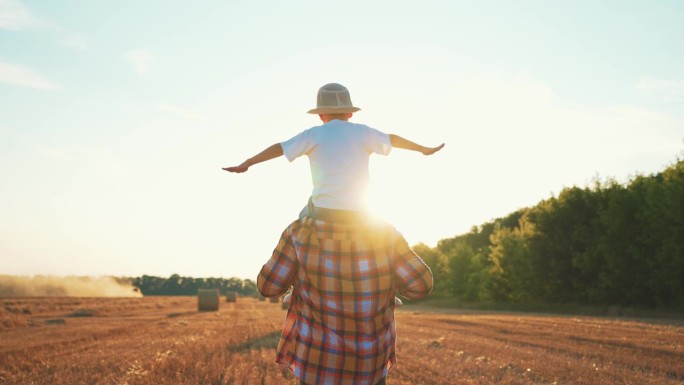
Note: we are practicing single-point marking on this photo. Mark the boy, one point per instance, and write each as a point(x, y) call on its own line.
point(338, 154)
point(337, 332)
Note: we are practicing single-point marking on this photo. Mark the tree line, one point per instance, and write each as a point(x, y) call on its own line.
point(177, 285)
point(607, 244)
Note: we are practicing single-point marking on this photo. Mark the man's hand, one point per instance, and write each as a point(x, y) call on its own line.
point(432, 150)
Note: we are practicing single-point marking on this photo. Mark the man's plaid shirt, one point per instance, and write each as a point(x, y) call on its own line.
point(340, 324)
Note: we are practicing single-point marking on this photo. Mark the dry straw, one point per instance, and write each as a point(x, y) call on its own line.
point(231, 296)
point(207, 299)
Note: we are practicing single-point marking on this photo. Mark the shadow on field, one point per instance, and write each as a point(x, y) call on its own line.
point(180, 314)
point(268, 341)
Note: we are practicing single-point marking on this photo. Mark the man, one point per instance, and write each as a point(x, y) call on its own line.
point(344, 272)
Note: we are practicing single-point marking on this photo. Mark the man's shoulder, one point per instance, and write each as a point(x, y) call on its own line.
point(295, 225)
point(368, 226)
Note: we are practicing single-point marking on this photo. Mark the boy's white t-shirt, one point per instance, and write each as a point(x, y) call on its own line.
point(338, 154)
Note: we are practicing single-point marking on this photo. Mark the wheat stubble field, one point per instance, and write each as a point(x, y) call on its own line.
point(164, 340)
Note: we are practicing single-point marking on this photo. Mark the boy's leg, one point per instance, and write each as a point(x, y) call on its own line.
point(308, 210)
point(304, 213)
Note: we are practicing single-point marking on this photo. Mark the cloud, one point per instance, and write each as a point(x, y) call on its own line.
point(668, 90)
point(14, 16)
point(18, 75)
point(141, 59)
point(187, 114)
point(76, 42)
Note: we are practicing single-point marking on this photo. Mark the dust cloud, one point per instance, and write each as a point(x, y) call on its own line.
point(70, 286)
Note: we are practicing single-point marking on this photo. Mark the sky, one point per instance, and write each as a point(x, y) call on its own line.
point(116, 118)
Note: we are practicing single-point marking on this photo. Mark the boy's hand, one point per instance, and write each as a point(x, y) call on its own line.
point(238, 169)
point(432, 150)
point(271, 152)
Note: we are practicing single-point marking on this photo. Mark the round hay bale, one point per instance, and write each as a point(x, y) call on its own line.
point(207, 299)
point(231, 296)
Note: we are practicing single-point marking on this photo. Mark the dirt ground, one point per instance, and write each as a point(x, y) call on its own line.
point(165, 340)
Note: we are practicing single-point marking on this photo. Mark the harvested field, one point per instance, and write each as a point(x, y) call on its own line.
point(165, 340)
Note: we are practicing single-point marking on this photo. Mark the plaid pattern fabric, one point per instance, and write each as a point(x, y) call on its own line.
point(340, 326)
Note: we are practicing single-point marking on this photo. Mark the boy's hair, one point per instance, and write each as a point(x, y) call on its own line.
point(337, 116)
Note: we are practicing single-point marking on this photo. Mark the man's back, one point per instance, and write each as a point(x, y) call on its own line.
point(340, 324)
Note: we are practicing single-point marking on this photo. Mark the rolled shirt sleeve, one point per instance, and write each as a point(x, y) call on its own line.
point(277, 275)
point(412, 276)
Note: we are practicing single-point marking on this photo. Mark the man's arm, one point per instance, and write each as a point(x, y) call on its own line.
point(412, 276)
point(399, 142)
point(271, 152)
point(278, 274)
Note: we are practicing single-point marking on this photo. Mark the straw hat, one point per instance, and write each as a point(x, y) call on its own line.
point(333, 98)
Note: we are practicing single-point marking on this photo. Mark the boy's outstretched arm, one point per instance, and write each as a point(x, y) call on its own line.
point(271, 152)
point(399, 142)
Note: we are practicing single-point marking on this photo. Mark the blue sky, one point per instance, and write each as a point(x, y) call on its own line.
point(116, 118)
